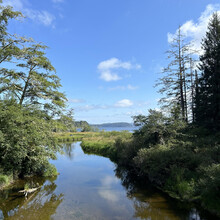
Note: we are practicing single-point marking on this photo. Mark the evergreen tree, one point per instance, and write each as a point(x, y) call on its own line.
point(175, 83)
point(207, 100)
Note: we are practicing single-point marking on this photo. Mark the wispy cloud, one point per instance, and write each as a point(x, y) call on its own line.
point(195, 31)
point(137, 112)
point(40, 16)
point(107, 68)
point(76, 100)
point(128, 87)
point(89, 107)
point(43, 17)
point(124, 103)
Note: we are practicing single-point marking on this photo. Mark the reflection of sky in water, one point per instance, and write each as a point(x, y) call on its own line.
point(87, 188)
point(107, 191)
point(89, 184)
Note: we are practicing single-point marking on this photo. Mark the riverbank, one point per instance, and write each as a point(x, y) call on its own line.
point(102, 137)
point(5, 180)
point(91, 187)
point(187, 169)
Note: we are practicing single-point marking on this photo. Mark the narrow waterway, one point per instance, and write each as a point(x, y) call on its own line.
point(90, 187)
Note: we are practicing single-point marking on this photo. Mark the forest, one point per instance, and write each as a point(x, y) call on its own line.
point(177, 149)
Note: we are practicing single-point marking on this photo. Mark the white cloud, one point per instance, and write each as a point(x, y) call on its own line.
point(109, 76)
point(107, 189)
point(43, 17)
point(113, 63)
point(195, 31)
point(106, 68)
point(124, 103)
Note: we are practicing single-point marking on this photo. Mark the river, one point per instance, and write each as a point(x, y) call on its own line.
point(90, 187)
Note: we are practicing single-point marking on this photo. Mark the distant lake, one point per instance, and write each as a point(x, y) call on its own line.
point(131, 128)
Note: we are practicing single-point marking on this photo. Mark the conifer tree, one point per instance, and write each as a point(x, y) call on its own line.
point(174, 83)
point(207, 100)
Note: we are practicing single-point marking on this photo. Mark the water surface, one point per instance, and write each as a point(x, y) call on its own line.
point(90, 187)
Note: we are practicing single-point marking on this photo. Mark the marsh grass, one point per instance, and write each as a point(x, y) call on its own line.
point(103, 143)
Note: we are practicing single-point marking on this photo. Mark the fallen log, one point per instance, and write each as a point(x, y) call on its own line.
point(26, 191)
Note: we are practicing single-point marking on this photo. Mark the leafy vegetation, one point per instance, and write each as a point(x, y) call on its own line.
point(29, 102)
point(179, 150)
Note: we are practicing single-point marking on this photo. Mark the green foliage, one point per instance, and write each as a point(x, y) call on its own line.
point(157, 128)
point(86, 128)
point(103, 143)
point(29, 100)
point(50, 171)
point(126, 150)
point(26, 141)
point(210, 187)
point(4, 180)
point(207, 100)
point(8, 43)
point(65, 123)
point(69, 136)
point(35, 82)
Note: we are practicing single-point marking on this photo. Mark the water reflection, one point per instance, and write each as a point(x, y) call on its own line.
point(93, 189)
point(151, 204)
point(41, 204)
point(105, 191)
point(68, 150)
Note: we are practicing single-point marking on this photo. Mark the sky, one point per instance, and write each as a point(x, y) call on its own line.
point(109, 53)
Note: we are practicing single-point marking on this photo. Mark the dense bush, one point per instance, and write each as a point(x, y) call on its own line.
point(182, 160)
point(26, 141)
point(210, 188)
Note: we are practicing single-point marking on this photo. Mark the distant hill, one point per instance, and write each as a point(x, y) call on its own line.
point(116, 124)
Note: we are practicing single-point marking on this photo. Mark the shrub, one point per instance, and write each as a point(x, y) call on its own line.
point(4, 180)
point(50, 171)
point(210, 188)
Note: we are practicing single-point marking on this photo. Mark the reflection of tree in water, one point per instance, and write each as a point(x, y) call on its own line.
point(151, 204)
point(68, 150)
point(41, 204)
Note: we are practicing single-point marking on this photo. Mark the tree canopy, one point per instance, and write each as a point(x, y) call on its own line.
point(30, 101)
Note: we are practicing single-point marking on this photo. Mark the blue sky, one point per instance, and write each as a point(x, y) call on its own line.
point(108, 53)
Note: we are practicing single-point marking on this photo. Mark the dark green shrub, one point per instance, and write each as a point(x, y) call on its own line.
point(210, 188)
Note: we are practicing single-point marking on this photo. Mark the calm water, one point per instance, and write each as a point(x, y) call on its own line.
point(130, 129)
point(90, 187)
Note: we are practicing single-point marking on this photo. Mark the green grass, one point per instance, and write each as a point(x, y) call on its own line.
point(69, 136)
point(100, 143)
point(103, 143)
point(5, 180)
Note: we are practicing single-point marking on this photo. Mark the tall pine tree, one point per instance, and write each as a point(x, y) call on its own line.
point(207, 99)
